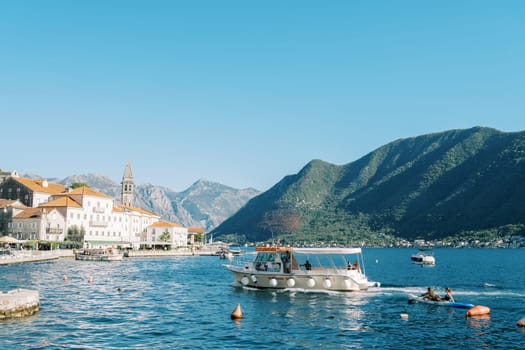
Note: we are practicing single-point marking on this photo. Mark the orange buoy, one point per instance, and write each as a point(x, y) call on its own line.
point(90, 279)
point(236, 313)
point(403, 315)
point(478, 310)
point(521, 323)
point(64, 278)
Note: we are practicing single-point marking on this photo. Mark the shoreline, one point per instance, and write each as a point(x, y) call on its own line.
point(22, 257)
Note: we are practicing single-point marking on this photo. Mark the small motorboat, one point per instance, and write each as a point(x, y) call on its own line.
point(424, 257)
point(418, 299)
point(227, 253)
point(99, 254)
point(325, 269)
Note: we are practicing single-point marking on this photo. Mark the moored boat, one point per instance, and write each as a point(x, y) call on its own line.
point(228, 253)
point(329, 269)
point(423, 257)
point(99, 254)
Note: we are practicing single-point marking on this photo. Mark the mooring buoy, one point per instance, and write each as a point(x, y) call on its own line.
point(236, 313)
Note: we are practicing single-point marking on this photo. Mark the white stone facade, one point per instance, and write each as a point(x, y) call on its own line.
point(39, 224)
point(52, 211)
point(176, 235)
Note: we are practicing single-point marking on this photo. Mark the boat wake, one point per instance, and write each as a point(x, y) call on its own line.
point(416, 290)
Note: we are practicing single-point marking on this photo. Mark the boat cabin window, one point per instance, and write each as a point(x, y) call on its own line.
point(268, 261)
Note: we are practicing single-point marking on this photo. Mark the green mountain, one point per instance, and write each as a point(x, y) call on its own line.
point(456, 183)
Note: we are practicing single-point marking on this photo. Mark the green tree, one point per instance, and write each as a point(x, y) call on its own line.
point(165, 236)
point(79, 184)
point(75, 234)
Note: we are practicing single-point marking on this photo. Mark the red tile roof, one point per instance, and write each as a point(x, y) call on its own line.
point(41, 185)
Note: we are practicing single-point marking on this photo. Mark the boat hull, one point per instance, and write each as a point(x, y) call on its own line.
point(416, 299)
point(99, 258)
point(346, 281)
point(423, 257)
point(423, 260)
point(99, 255)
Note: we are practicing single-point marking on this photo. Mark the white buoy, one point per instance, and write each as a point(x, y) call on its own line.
point(273, 282)
point(245, 280)
point(254, 279)
point(327, 283)
point(310, 283)
point(290, 283)
point(347, 283)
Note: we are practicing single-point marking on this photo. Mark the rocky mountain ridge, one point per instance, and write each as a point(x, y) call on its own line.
point(204, 204)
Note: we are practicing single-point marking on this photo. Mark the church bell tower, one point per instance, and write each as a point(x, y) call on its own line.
point(127, 186)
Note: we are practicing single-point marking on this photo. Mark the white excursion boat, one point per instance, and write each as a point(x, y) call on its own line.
point(329, 269)
point(424, 257)
point(99, 254)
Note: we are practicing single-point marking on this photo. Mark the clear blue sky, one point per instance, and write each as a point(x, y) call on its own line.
point(246, 92)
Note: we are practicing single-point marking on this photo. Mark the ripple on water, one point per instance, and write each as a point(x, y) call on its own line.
point(185, 303)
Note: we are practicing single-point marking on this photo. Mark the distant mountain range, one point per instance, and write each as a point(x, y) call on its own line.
point(453, 183)
point(204, 204)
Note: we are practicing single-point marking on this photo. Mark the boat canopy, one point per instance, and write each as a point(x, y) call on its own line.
point(341, 251)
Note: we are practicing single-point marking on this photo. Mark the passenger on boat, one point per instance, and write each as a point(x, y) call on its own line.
point(307, 265)
point(356, 266)
point(430, 295)
point(349, 265)
point(286, 260)
point(448, 295)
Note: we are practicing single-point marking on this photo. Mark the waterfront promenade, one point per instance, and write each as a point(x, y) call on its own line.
point(27, 256)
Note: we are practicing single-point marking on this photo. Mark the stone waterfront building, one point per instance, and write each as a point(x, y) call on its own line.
point(40, 210)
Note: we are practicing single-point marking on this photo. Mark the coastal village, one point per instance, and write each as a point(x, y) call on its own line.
point(42, 220)
point(46, 215)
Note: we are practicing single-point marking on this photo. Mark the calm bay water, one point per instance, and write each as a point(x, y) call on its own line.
point(185, 303)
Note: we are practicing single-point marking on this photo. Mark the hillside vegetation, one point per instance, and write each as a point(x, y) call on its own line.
point(456, 183)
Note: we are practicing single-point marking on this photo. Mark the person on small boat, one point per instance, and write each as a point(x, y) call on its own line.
point(448, 295)
point(430, 295)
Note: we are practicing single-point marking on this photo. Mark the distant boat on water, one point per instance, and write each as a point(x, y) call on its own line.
point(424, 257)
point(99, 254)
